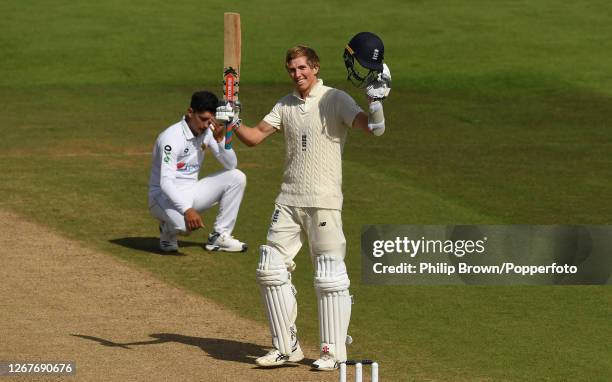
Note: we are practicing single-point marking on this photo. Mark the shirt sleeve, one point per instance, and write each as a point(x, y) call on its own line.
point(227, 158)
point(168, 149)
point(347, 108)
point(274, 116)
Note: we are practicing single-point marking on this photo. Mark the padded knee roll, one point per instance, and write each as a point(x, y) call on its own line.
point(278, 295)
point(332, 283)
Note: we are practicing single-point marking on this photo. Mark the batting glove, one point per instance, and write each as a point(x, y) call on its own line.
point(379, 88)
point(225, 113)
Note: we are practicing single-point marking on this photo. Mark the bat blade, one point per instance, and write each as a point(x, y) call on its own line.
point(232, 46)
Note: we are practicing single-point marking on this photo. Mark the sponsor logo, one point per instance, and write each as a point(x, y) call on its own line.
point(186, 150)
point(303, 142)
point(322, 224)
point(184, 167)
point(375, 55)
point(293, 331)
point(167, 150)
point(325, 349)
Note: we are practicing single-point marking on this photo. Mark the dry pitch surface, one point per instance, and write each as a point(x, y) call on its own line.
point(62, 301)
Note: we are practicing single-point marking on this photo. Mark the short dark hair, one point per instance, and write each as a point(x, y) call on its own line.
point(204, 100)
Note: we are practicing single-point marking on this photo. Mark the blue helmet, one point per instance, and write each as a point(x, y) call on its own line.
point(369, 51)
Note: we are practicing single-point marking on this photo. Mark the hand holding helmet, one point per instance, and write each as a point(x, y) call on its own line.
point(369, 51)
point(379, 88)
point(366, 51)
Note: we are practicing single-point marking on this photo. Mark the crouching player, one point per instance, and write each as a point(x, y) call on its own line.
point(177, 197)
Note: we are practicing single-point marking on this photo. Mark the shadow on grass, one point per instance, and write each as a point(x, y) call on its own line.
point(218, 348)
point(151, 245)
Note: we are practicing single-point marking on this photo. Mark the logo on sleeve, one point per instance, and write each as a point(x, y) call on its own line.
point(167, 150)
point(180, 165)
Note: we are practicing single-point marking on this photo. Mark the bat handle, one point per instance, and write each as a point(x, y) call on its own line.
point(229, 135)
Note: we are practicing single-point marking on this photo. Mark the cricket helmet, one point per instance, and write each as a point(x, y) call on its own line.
point(369, 51)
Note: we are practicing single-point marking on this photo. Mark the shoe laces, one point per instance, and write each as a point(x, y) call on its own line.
point(327, 357)
point(227, 237)
point(274, 353)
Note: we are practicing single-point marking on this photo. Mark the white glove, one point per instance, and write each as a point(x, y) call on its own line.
point(225, 113)
point(229, 113)
point(379, 88)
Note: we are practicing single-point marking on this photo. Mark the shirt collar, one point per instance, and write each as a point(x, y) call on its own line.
point(314, 92)
point(186, 129)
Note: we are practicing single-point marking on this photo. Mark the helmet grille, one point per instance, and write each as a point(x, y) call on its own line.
point(354, 75)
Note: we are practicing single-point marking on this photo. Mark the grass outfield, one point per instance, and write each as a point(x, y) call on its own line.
point(497, 115)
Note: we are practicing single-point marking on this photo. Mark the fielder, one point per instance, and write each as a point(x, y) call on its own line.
point(177, 197)
point(315, 119)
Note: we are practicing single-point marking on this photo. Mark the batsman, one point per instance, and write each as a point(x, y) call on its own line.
point(315, 120)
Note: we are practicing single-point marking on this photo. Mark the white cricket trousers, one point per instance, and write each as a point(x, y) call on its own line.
point(291, 226)
point(225, 187)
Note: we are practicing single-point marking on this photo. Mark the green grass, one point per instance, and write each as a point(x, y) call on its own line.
point(499, 114)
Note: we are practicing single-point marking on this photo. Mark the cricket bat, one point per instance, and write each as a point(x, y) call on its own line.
point(231, 66)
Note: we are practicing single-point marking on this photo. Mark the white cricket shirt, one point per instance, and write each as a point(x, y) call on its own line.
point(315, 132)
point(177, 158)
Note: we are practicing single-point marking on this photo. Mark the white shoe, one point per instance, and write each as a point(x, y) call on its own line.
point(224, 242)
point(326, 363)
point(167, 240)
point(275, 358)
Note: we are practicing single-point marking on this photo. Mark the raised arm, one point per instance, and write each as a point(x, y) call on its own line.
point(227, 158)
point(373, 122)
point(252, 136)
point(361, 122)
point(377, 90)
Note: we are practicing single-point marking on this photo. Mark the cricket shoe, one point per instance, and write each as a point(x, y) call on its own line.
point(326, 363)
point(167, 240)
point(275, 358)
point(224, 242)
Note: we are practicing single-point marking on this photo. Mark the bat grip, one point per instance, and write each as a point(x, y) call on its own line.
point(229, 135)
